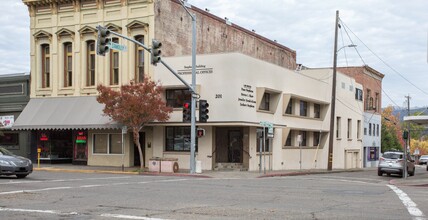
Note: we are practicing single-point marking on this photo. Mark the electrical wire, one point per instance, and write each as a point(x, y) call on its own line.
point(371, 74)
point(389, 66)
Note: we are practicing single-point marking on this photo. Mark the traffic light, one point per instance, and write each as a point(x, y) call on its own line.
point(187, 112)
point(203, 110)
point(156, 52)
point(103, 41)
point(405, 134)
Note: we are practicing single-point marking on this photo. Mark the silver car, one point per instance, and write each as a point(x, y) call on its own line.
point(392, 162)
point(11, 164)
point(423, 159)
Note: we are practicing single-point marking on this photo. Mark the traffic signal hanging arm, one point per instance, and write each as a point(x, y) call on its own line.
point(103, 41)
point(156, 52)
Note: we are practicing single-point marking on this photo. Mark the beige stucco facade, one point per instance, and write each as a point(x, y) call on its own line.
point(236, 69)
point(349, 121)
point(234, 85)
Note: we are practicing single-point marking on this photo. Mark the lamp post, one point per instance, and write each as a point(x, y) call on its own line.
point(333, 95)
point(193, 103)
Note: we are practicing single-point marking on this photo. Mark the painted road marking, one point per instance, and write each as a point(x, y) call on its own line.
point(412, 208)
point(54, 212)
point(38, 211)
point(90, 186)
point(61, 180)
point(129, 217)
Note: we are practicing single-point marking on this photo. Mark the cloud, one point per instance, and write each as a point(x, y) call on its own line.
point(396, 31)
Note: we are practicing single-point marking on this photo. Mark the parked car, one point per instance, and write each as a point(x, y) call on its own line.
point(423, 159)
point(392, 162)
point(11, 164)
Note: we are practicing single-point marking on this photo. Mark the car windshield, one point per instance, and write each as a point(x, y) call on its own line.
point(5, 152)
point(424, 157)
point(392, 156)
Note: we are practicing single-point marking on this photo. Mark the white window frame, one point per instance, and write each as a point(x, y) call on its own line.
point(108, 144)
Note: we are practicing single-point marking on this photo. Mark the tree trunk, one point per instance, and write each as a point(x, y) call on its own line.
point(136, 132)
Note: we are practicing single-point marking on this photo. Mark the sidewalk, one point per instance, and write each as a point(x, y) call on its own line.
point(420, 181)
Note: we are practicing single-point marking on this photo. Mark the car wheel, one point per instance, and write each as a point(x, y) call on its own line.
point(20, 176)
point(379, 173)
point(427, 167)
point(412, 173)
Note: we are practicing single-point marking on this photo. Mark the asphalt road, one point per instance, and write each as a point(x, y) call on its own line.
point(349, 195)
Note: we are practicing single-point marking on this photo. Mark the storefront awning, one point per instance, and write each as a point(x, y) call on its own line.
point(63, 113)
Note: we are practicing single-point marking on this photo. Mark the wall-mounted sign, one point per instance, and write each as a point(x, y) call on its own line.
point(44, 137)
point(6, 121)
point(81, 137)
point(200, 69)
point(247, 98)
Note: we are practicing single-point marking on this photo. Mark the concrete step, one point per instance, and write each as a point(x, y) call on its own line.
point(230, 167)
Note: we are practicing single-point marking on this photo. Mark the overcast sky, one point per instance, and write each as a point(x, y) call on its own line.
point(395, 31)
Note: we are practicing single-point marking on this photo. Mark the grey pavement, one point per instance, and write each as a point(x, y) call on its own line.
point(410, 181)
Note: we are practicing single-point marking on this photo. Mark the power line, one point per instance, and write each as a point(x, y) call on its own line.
point(384, 61)
point(371, 74)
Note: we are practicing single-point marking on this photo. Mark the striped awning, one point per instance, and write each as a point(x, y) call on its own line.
point(64, 113)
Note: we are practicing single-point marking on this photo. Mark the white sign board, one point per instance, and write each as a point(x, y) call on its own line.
point(6, 121)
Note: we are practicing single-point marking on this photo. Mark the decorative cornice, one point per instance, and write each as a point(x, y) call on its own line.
point(42, 34)
point(114, 27)
point(64, 32)
point(137, 24)
point(87, 30)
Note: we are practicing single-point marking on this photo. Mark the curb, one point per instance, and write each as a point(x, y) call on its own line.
point(303, 173)
point(84, 171)
point(395, 183)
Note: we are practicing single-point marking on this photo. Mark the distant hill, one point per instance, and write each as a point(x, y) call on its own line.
point(401, 112)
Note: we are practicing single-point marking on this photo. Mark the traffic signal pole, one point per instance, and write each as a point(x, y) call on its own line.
point(192, 87)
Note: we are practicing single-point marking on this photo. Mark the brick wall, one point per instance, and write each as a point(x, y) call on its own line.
point(173, 27)
point(370, 79)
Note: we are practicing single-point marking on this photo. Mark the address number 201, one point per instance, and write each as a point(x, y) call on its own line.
point(218, 96)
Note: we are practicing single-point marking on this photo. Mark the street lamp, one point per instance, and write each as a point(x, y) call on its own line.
point(333, 95)
point(193, 104)
point(350, 45)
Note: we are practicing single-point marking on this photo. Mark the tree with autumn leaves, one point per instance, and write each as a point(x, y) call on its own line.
point(135, 105)
point(392, 133)
point(392, 138)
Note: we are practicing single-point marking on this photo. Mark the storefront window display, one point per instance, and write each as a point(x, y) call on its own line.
point(373, 154)
point(55, 145)
point(80, 147)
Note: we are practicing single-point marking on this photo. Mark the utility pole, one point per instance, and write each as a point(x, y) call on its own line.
point(333, 98)
point(408, 138)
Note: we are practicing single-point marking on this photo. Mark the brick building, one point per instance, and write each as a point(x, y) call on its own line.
point(251, 76)
point(371, 80)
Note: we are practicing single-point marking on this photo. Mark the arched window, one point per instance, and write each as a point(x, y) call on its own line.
point(90, 63)
point(139, 60)
point(45, 66)
point(68, 64)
